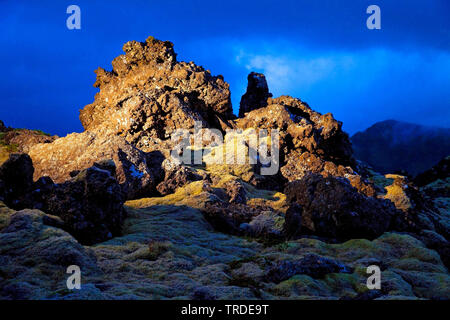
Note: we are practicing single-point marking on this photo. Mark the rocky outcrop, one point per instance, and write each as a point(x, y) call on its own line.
point(24, 139)
point(149, 94)
point(79, 151)
point(13, 140)
point(90, 204)
point(172, 245)
point(309, 141)
point(301, 128)
point(256, 95)
point(298, 165)
point(421, 213)
point(142, 101)
point(331, 207)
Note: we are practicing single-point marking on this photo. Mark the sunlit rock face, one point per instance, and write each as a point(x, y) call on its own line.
point(309, 141)
point(78, 151)
point(148, 95)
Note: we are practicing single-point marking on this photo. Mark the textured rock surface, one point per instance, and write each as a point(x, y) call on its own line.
point(177, 177)
point(302, 128)
point(19, 140)
point(79, 151)
point(35, 254)
point(148, 95)
point(159, 258)
point(90, 204)
point(309, 141)
point(24, 139)
point(331, 207)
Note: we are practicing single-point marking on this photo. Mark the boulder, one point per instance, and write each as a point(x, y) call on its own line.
point(234, 218)
point(176, 177)
point(266, 225)
point(332, 208)
point(312, 265)
point(300, 164)
point(420, 213)
point(90, 204)
point(235, 191)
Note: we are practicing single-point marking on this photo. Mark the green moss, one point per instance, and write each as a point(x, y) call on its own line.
point(301, 285)
point(413, 264)
point(342, 284)
point(187, 195)
point(5, 215)
point(236, 264)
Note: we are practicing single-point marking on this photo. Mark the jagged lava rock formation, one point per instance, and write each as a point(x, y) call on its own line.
point(66, 156)
point(182, 237)
point(148, 95)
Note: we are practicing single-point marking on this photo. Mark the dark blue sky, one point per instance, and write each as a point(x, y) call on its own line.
point(319, 51)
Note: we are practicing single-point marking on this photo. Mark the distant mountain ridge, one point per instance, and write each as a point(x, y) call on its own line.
point(391, 145)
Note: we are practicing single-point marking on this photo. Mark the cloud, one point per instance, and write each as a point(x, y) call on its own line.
point(286, 73)
point(358, 86)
